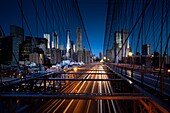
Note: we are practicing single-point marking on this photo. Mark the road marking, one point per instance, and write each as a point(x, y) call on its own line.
point(108, 85)
point(72, 99)
point(100, 91)
point(88, 107)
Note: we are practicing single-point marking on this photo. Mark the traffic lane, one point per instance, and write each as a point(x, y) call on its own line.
point(83, 105)
point(81, 90)
point(94, 103)
point(51, 105)
point(109, 105)
point(73, 103)
point(64, 106)
point(69, 89)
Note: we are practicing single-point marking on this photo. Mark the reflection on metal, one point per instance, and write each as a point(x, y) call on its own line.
point(78, 79)
point(98, 96)
point(168, 70)
point(150, 106)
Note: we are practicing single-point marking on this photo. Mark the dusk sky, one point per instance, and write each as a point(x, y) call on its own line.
point(93, 13)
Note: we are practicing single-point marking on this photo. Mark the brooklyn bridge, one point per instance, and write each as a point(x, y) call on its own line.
point(89, 56)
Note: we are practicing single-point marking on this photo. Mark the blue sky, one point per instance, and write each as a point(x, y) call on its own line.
point(93, 13)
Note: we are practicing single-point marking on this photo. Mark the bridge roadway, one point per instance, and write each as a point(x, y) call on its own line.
point(94, 91)
point(80, 105)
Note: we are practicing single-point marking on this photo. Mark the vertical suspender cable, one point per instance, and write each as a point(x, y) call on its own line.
point(83, 25)
point(146, 6)
point(160, 58)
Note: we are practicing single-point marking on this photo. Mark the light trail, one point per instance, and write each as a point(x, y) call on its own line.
point(100, 91)
point(72, 92)
point(108, 87)
point(72, 99)
point(81, 102)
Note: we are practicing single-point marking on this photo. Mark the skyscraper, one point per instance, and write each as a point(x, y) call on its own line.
point(68, 43)
point(100, 55)
point(47, 36)
point(83, 56)
point(146, 49)
point(16, 31)
point(1, 33)
point(17, 34)
point(117, 46)
point(55, 40)
point(110, 55)
point(74, 48)
point(78, 39)
point(121, 48)
point(126, 47)
point(26, 47)
point(71, 44)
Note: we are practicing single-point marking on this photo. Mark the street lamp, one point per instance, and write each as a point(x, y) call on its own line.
point(130, 55)
point(152, 55)
point(75, 69)
point(104, 58)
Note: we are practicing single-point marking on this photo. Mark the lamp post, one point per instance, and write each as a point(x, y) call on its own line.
point(104, 58)
point(130, 55)
point(152, 60)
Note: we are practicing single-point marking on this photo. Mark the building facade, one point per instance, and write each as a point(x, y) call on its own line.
point(83, 56)
point(121, 45)
point(10, 45)
point(55, 40)
point(78, 39)
point(68, 46)
point(47, 36)
point(146, 49)
point(100, 55)
point(36, 58)
point(28, 46)
point(110, 55)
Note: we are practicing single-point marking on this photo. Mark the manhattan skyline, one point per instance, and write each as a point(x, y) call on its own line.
point(93, 22)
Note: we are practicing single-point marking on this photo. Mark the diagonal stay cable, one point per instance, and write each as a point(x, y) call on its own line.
point(113, 14)
point(47, 15)
point(26, 22)
point(38, 16)
point(146, 6)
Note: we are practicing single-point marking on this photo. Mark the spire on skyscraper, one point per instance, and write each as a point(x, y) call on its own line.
point(68, 43)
